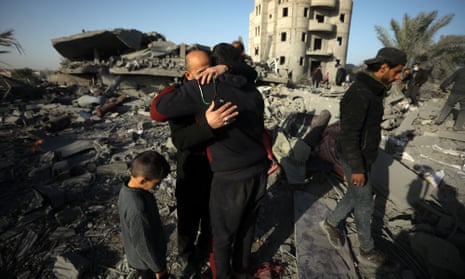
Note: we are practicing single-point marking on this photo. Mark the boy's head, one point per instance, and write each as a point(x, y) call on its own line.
point(148, 169)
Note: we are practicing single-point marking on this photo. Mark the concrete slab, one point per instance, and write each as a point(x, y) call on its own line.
point(452, 135)
point(407, 123)
point(73, 148)
point(399, 184)
point(316, 258)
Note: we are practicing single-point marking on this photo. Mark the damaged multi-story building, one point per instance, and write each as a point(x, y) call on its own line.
point(294, 37)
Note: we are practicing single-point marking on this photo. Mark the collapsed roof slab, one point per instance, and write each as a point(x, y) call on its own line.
point(103, 43)
point(316, 258)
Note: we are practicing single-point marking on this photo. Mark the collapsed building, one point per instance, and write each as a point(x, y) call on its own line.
point(65, 151)
point(138, 59)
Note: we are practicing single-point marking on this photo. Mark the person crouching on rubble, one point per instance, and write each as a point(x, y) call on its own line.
point(143, 236)
point(361, 112)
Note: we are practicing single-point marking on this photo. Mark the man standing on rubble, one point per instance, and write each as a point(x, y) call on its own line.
point(361, 112)
point(457, 95)
point(191, 137)
point(237, 156)
point(419, 77)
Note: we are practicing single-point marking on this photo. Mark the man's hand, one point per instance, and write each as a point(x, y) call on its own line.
point(358, 179)
point(161, 275)
point(212, 72)
point(222, 116)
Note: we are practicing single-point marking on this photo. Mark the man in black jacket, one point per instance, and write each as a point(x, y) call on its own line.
point(361, 112)
point(190, 137)
point(457, 95)
point(419, 77)
point(237, 158)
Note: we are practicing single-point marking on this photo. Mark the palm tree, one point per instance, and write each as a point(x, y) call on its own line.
point(7, 40)
point(416, 37)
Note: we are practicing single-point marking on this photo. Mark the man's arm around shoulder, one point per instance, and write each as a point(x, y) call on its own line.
point(154, 113)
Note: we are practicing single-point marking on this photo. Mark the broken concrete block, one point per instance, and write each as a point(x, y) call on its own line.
point(73, 148)
point(58, 124)
point(61, 169)
point(67, 215)
point(55, 197)
point(27, 242)
point(87, 101)
point(113, 169)
point(70, 266)
point(61, 233)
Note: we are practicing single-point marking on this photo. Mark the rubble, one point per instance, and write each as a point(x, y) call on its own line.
point(65, 155)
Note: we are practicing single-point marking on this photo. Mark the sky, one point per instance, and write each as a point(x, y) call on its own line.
point(208, 22)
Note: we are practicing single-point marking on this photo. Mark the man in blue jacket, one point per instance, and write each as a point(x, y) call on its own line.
point(361, 113)
point(236, 155)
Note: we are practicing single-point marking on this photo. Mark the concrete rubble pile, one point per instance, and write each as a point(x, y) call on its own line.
point(65, 150)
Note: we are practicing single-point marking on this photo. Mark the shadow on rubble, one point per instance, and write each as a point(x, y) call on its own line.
point(294, 147)
point(437, 238)
point(431, 244)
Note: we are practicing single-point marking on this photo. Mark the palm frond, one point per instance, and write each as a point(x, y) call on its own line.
point(7, 40)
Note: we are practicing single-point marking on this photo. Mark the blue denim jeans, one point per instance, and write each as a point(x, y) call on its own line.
point(360, 201)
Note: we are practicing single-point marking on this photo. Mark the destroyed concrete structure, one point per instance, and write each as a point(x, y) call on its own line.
point(63, 164)
point(122, 57)
point(137, 59)
point(295, 37)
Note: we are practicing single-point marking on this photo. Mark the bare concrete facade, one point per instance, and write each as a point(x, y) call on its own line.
point(296, 36)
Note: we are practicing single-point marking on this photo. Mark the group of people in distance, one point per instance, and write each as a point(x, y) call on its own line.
point(216, 117)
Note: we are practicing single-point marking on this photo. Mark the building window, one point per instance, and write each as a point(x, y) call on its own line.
point(342, 17)
point(282, 60)
point(279, 1)
point(283, 36)
point(304, 36)
point(305, 12)
point(257, 31)
point(339, 41)
point(271, 16)
point(317, 44)
point(256, 51)
point(301, 61)
point(320, 18)
point(285, 12)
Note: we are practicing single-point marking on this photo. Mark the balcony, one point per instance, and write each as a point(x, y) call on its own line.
point(319, 52)
point(315, 26)
point(324, 3)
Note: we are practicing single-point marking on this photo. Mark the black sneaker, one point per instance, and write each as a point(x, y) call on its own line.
point(333, 233)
